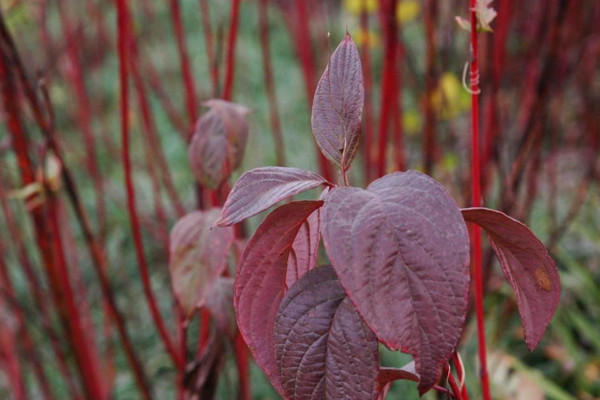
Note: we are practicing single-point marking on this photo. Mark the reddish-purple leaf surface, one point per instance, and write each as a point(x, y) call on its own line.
point(198, 256)
point(217, 146)
point(338, 104)
point(526, 264)
point(261, 188)
point(303, 255)
point(260, 281)
point(401, 251)
point(324, 350)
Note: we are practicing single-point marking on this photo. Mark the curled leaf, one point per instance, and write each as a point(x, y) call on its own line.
point(401, 252)
point(260, 281)
point(261, 188)
point(527, 266)
point(197, 257)
point(218, 144)
point(324, 350)
point(338, 104)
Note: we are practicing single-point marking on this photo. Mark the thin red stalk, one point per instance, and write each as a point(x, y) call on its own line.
point(123, 47)
point(86, 355)
point(182, 331)
point(492, 120)
point(84, 119)
point(388, 83)
point(399, 159)
point(365, 58)
point(301, 33)
point(263, 20)
point(230, 56)
point(186, 70)
point(476, 202)
point(213, 66)
point(430, 118)
point(455, 389)
point(461, 374)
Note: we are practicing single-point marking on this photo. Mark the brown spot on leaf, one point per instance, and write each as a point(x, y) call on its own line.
point(542, 279)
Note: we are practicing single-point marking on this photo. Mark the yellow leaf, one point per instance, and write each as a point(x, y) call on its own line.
point(411, 122)
point(407, 11)
point(449, 99)
point(358, 6)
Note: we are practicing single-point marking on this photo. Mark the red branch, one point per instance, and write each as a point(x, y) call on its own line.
point(476, 202)
point(389, 93)
point(188, 80)
point(123, 47)
point(231, 40)
point(263, 21)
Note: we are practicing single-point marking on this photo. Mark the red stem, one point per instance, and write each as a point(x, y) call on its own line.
point(430, 118)
point(399, 159)
point(123, 47)
point(476, 202)
point(388, 83)
point(186, 71)
point(231, 40)
point(455, 389)
point(213, 66)
point(263, 21)
point(365, 58)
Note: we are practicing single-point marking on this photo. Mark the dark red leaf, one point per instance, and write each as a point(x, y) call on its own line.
point(260, 281)
point(323, 348)
point(338, 104)
point(198, 256)
point(401, 251)
point(261, 188)
point(526, 264)
point(303, 256)
point(217, 146)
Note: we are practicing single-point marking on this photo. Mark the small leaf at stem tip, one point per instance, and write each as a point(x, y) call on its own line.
point(261, 188)
point(403, 241)
point(338, 104)
point(260, 281)
point(527, 266)
point(197, 257)
point(324, 350)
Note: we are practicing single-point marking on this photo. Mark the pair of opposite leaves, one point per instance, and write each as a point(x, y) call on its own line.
point(399, 248)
